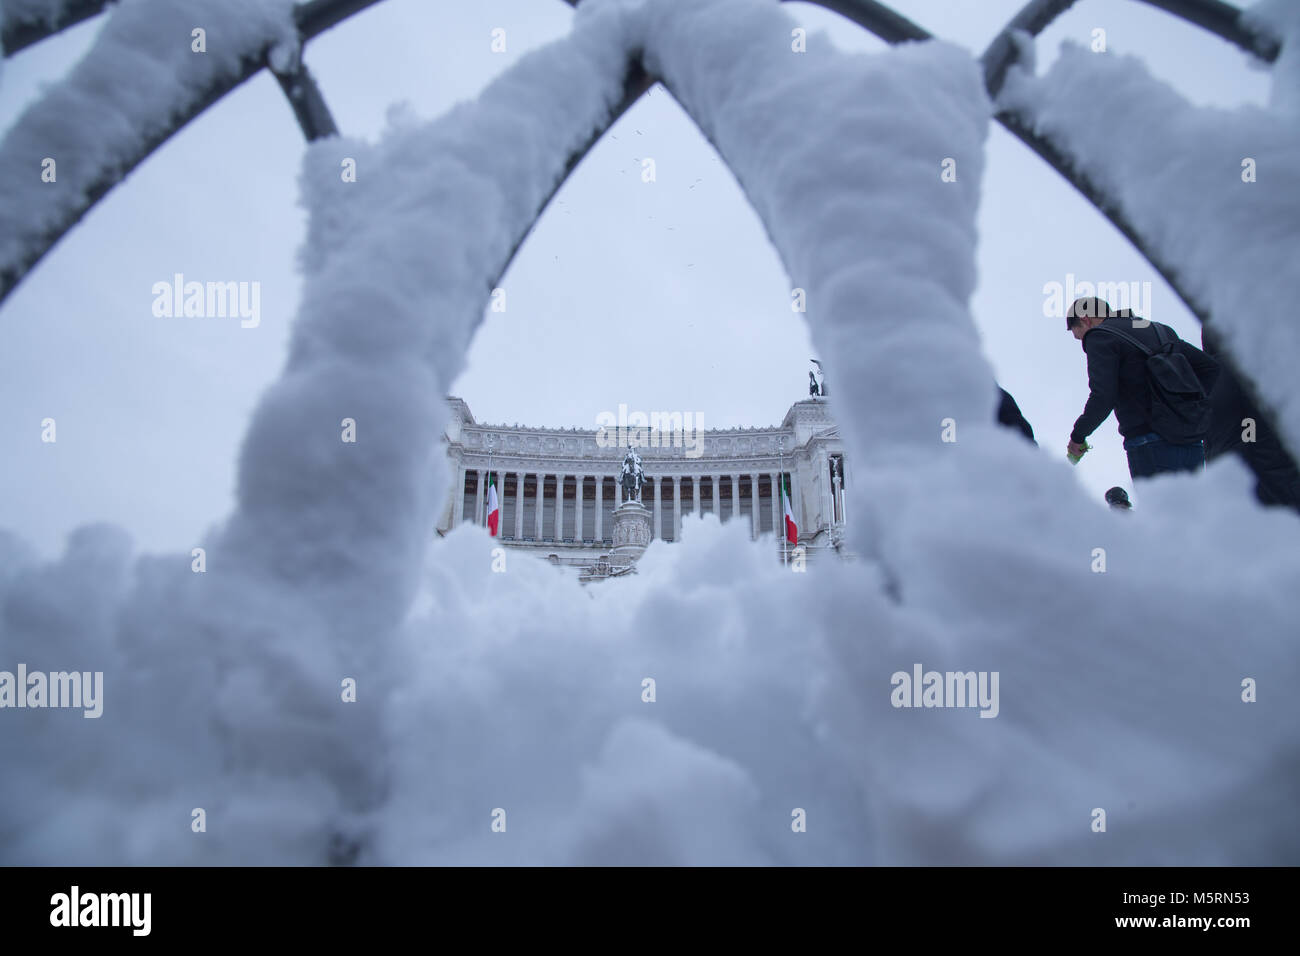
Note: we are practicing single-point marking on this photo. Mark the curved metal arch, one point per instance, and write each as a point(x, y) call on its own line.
point(1037, 15)
point(298, 85)
point(636, 83)
point(1219, 18)
point(17, 34)
point(11, 273)
point(307, 102)
point(1033, 18)
point(312, 18)
point(1224, 21)
point(315, 16)
point(885, 22)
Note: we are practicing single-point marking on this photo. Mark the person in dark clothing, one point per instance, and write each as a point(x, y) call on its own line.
point(1117, 381)
point(1231, 412)
point(1009, 414)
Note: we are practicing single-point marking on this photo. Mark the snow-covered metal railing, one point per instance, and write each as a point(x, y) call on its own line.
point(1221, 19)
point(1224, 21)
point(1215, 16)
point(23, 24)
point(32, 222)
point(1006, 50)
point(315, 16)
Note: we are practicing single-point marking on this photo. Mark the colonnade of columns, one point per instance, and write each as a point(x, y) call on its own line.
point(548, 489)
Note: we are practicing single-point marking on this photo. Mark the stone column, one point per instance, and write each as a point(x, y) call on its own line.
point(659, 528)
point(754, 513)
point(458, 499)
point(778, 521)
point(824, 483)
point(735, 496)
point(844, 484)
point(677, 507)
point(600, 509)
point(478, 499)
point(519, 505)
point(559, 508)
point(537, 504)
point(717, 509)
point(577, 517)
point(835, 492)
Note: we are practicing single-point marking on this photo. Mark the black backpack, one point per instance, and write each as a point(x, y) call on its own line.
point(1180, 407)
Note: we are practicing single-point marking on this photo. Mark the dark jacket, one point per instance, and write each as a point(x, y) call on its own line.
point(1009, 414)
point(1278, 477)
point(1117, 377)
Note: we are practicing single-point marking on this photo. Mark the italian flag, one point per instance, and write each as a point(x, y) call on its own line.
point(791, 529)
point(493, 511)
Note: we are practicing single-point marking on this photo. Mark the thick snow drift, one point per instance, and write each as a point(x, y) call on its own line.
point(516, 698)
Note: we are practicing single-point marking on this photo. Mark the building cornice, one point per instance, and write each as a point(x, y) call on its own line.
point(811, 411)
point(586, 451)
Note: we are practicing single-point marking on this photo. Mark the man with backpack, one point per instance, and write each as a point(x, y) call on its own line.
point(1157, 385)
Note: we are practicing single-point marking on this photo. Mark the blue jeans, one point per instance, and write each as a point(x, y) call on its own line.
point(1150, 454)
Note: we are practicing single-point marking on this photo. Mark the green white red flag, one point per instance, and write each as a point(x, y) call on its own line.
point(493, 510)
point(791, 529)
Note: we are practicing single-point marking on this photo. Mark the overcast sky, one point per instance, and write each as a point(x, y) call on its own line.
point(664, 296)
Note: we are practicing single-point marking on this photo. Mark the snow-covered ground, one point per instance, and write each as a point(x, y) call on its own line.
point(522, 691)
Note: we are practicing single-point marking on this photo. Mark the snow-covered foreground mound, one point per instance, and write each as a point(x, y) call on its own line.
point(485, 697)
point(524, 691)
point(1118, 690)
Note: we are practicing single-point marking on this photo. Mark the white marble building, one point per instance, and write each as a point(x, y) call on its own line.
point(558, 487)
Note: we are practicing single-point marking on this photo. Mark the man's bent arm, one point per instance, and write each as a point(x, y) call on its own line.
point(1103, 387)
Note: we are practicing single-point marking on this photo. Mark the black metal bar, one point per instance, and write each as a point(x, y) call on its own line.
point(307, 102)
point(18, 34)
point(316, 16)
point(886, 23)
point(635, 84)
point(1224, 21)
point(12, 273)
point(1033, 18)
point(309, 108)
point(1221, 19)
point(312, 18)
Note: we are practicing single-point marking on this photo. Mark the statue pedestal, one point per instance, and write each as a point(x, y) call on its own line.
point(631, 533)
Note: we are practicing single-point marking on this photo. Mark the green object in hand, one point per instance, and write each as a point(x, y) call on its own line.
point(1074, 459)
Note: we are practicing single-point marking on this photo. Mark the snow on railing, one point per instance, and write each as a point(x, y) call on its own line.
point(36, 19)
point(155, 64)
point(24, 22)
point(1210, 190)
